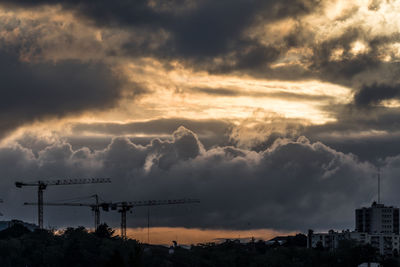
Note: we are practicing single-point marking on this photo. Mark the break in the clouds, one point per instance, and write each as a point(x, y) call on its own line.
point(293, 185)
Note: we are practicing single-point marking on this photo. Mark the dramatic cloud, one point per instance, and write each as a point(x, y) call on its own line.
point(285, 40)
point(376, 93)
point(369, 132)
point(290, 186)
point(34, 91)
point(266, 38)
point(196, 32)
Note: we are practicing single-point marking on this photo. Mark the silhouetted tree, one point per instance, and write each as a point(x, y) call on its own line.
point(79, 248)
point(16, 230)
point(103, 231)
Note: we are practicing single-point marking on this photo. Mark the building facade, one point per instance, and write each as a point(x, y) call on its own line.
point(386, 244)
point(377, 219)
point(377, 225)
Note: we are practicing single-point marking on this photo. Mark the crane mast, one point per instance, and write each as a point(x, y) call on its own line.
point(96, 210)
point(42, 185)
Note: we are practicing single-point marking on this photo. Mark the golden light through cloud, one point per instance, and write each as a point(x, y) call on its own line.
point(186, 236)
point(232, 97)
point(171, 93)
point(178, 94)
point(170, 90)
point(339, 15)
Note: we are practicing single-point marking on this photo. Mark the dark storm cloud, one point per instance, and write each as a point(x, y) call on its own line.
point(354, 119)
point(347, 65)
point(292, 185)
point(33, 91)
point(199, 30)
point(213, 36)
point(218, 29)
point(376, 93)
point(371, 132)
point(372, 79)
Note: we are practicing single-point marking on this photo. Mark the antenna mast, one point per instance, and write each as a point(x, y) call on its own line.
point(379, 185)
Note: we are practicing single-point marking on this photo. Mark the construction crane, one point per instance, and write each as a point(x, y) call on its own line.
point(42, 185)
point(123, 207)
point(95, 207)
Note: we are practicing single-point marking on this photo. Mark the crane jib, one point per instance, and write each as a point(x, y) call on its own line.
point(42, 184)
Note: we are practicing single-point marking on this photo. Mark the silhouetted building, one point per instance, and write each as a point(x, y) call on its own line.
point(377, 219)
point(377, 225)
point(386, 244)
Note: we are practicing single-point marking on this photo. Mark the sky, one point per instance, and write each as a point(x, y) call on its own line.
point(277, 115)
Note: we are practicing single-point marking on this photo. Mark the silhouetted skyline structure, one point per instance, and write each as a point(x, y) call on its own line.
point(377, 226)
point(377, 219)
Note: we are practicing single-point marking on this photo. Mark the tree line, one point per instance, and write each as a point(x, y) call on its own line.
point(77, 247)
